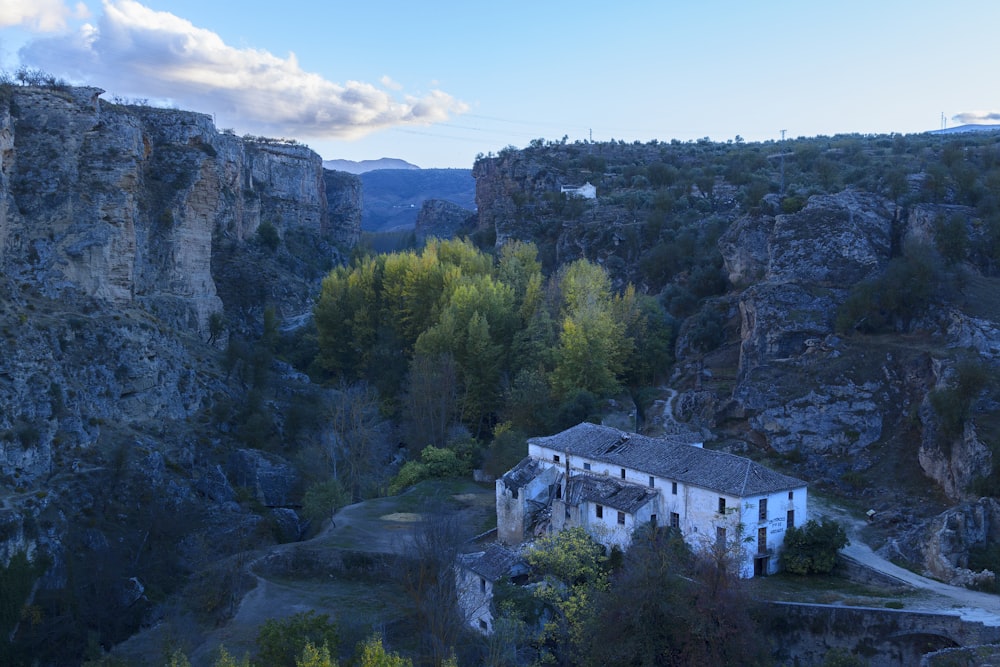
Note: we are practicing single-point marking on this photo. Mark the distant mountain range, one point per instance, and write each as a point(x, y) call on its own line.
point(958, 129)
point(352, 167)
point(393, 197)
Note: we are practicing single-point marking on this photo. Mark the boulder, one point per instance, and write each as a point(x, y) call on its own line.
point(948, 538)
point(269, 477)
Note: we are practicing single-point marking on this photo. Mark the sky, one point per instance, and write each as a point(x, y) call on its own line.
point(438, 82)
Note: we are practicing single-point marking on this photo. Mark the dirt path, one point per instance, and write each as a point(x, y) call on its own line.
point(936, 596)
point(377, 526)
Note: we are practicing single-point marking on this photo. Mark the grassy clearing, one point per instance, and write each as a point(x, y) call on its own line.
point(825, 589)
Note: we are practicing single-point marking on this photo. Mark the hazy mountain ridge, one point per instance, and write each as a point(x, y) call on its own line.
point(393, 197)
point(363, 166)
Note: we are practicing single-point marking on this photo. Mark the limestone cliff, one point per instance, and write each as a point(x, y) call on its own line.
point(442, 219)
point(136, 244)
point(124, 204)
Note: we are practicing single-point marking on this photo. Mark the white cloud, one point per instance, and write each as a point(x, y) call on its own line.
point(137, 51)
point(387, 82)
point(977, 117)
point(39, 15)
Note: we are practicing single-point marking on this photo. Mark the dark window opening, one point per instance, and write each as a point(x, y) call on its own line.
point(586, 466)
point(621, 518)
point(722, 505)
point(652, 482)
point(761, 540)
point(763, 509)
point(791, 518)
point(623, 473)
point(675, 520)
point(673, 488)
point(555, 457)
point(599, 511)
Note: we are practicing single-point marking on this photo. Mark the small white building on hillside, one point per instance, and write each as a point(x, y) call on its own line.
point(585, 191)
point(610, 482)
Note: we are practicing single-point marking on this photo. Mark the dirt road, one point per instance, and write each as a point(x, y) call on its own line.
point(937, 596)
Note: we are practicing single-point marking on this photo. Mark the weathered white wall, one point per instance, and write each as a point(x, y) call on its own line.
point(697, 509)
point(473, 601)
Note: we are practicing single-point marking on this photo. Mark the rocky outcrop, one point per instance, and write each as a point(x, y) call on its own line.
point(134, 244)
point(441, 219)
point(798, 267)
point(271, 479)
point(519, 197)
point(949, 537)
point(125, 204)
point(344, 201)
point(955, 462)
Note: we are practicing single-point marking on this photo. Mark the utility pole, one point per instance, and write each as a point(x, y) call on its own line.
point(783, 134)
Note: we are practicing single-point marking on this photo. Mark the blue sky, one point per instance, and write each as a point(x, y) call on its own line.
point(437, 82)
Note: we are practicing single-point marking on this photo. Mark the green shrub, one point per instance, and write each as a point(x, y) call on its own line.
point(411, 473)
point(813, 547)
point(322, 499)
point(267, 235)
point(280, 643)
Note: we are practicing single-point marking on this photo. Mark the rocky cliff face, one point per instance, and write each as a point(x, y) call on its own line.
point(134, 243)
point(124, 204)
point(518, 196)
point(442, 219)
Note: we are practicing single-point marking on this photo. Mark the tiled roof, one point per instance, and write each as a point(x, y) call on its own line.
point(717, 471)
point(494, 563)
point(608, 491)
point(525, 471)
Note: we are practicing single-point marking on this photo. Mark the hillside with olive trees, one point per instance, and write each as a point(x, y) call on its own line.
point(833, 298)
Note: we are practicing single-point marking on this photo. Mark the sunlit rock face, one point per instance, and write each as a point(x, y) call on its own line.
point(125, 203)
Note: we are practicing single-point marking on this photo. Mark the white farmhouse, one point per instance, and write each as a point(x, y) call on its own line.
point(585, 191)
point(609, 482)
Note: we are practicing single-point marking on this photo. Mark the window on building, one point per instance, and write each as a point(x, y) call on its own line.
point(791, 494)
point(482, 585)
point(652, 482)
point(791, 519)
point(555, 457)
point(599, 511)
point(623, 473)
point(621, 518)
point(722, 505)
point(761, 540)
point(673, 488)
point(586, 466)
point(483, 625)
point(558, 491)
point(720, 536)
point(763, 509)
point(652, 519)
point(675, 520)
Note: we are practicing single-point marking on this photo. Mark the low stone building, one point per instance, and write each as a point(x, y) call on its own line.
point(476, 574)
point(610, 482)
